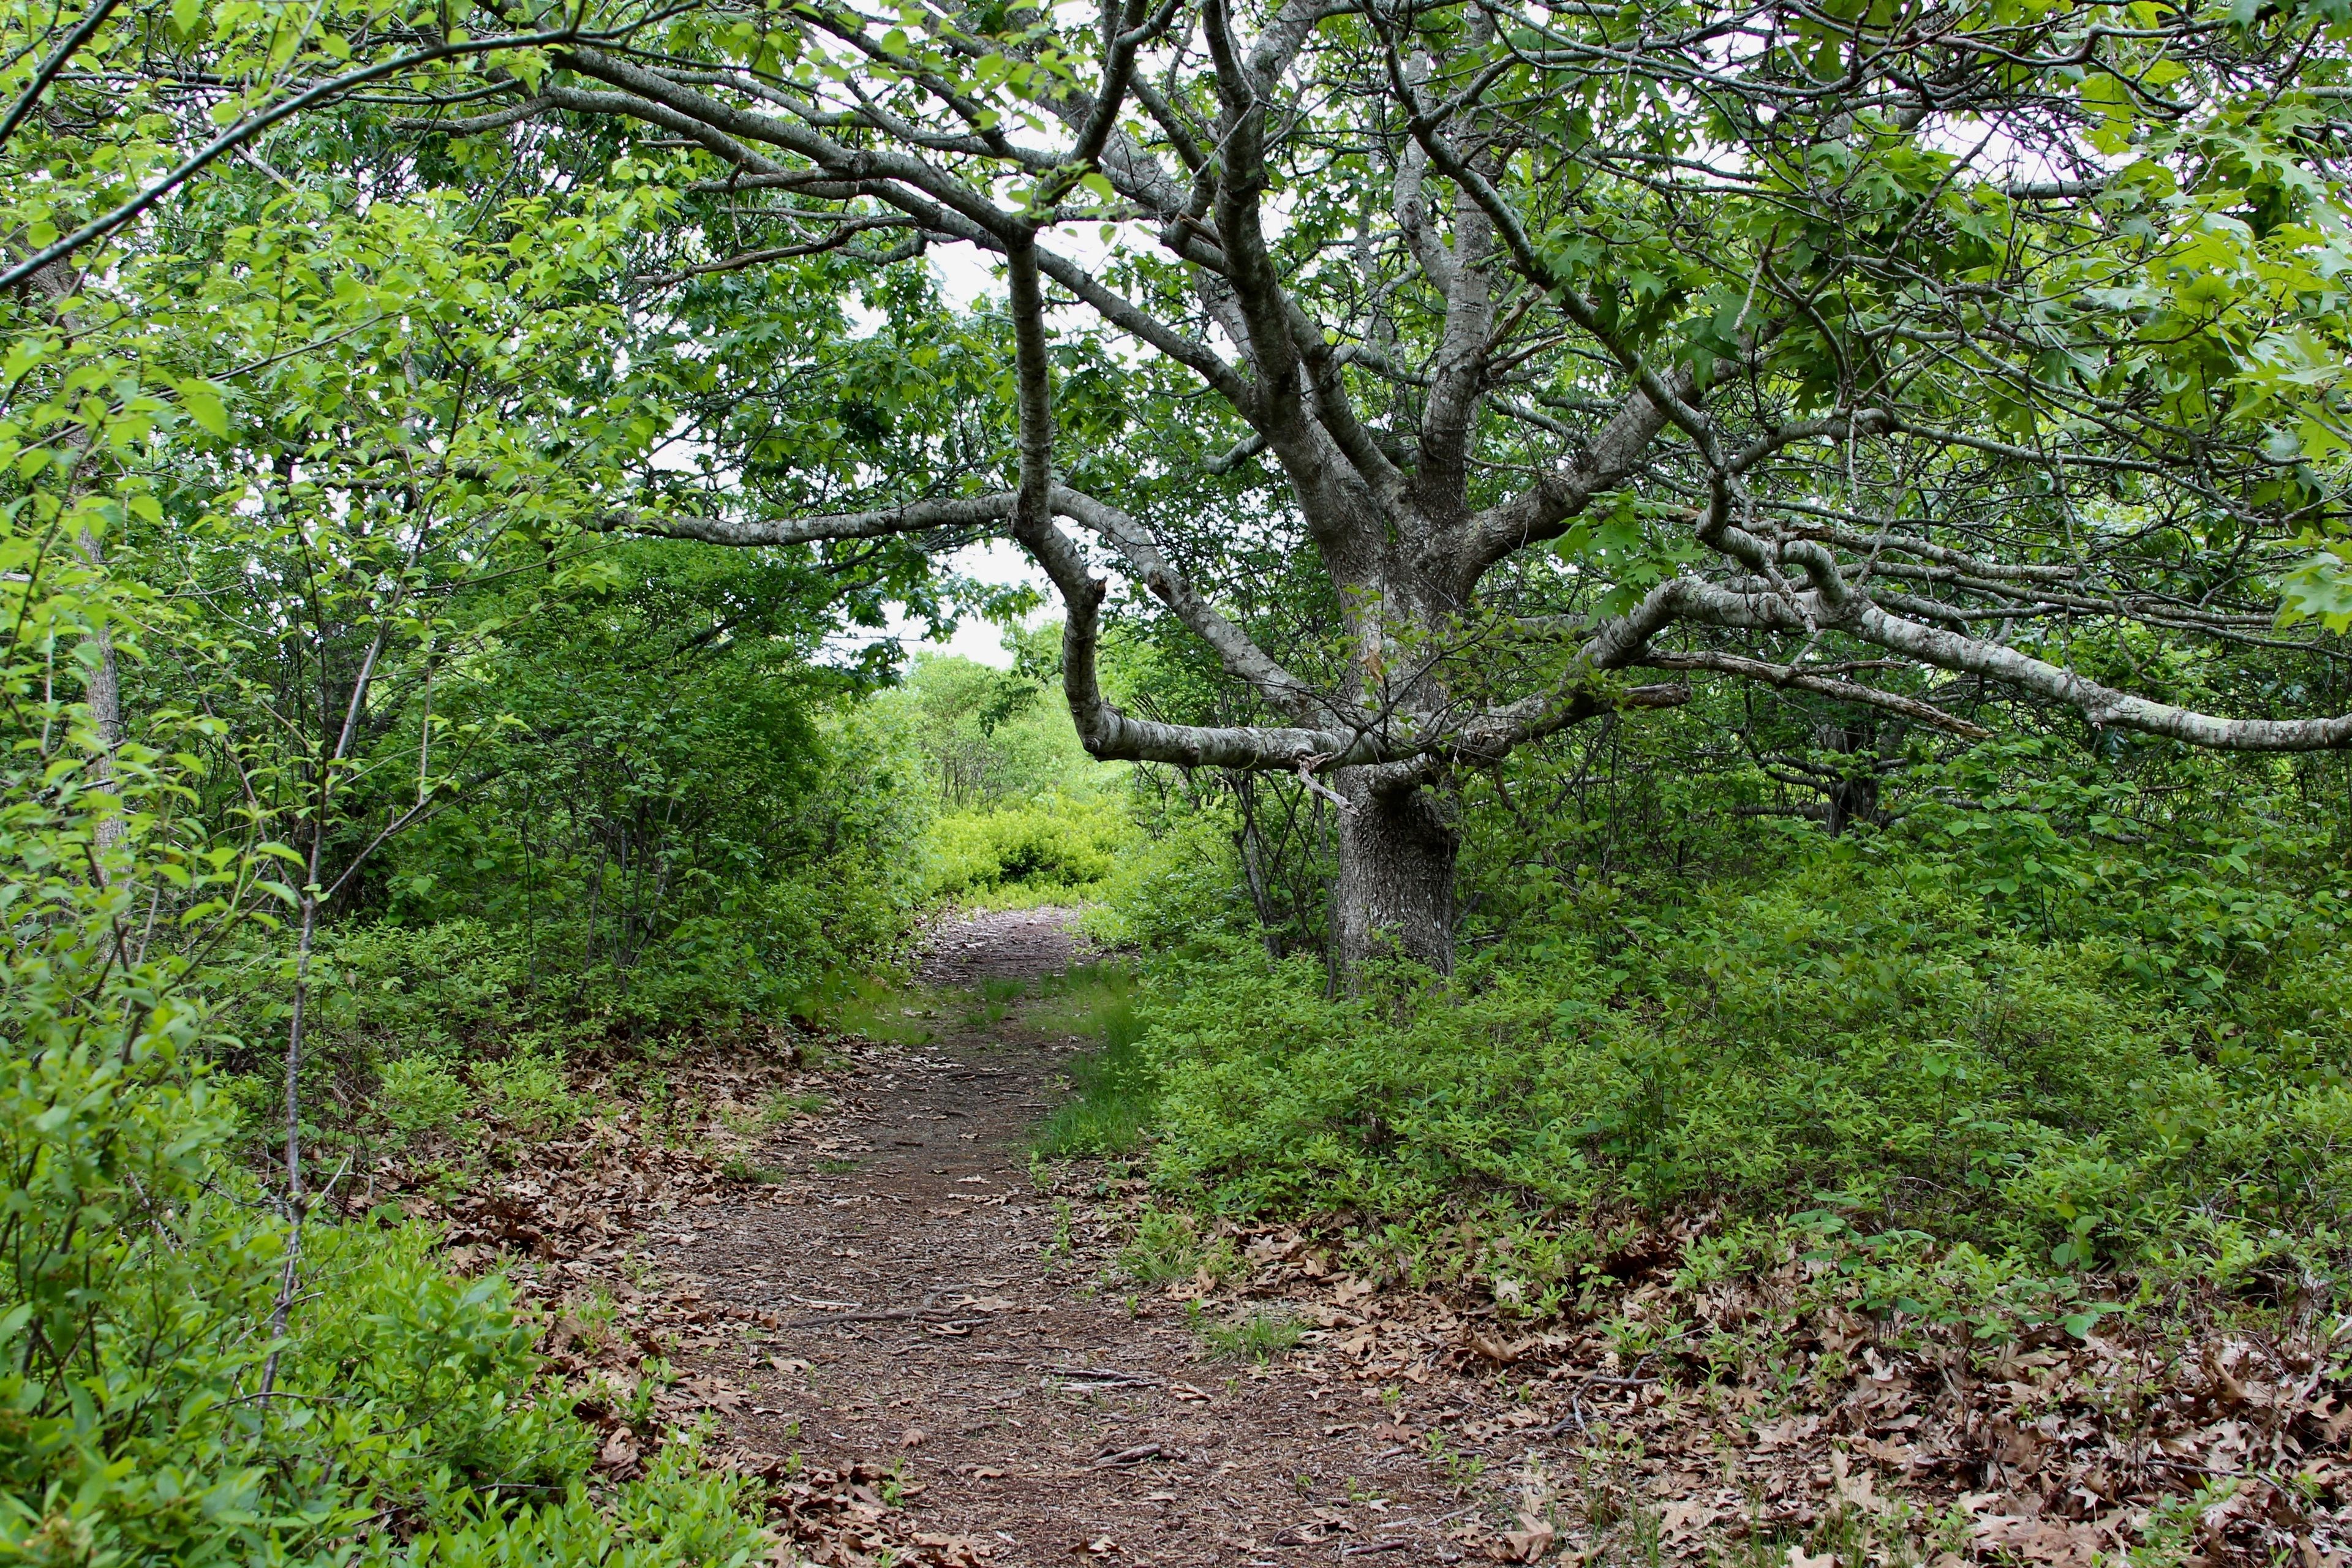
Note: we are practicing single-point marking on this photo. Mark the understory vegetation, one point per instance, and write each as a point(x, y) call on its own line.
point(2042, 1035)
point(2055, 1033)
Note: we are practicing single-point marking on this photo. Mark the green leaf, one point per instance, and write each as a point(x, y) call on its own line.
point(203, 402)
point(2319, 588)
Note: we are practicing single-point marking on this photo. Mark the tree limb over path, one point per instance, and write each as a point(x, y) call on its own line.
point(1729, 339)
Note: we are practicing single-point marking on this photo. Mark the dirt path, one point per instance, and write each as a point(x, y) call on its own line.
point(953, 1339)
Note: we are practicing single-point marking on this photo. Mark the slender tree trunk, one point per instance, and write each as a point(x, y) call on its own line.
point(1253, 871)
point(103, 692)
point(298, 1202)
point(1395, 895)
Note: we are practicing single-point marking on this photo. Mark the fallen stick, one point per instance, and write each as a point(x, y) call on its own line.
point(1137, 1455)
point(1098, 1375)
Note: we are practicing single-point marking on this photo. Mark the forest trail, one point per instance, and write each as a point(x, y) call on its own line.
point(926, 1345)
point(958, 1361)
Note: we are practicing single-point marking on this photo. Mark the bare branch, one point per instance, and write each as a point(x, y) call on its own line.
point(1799, 679)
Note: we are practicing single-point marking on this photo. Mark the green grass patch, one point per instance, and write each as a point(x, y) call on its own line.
point(1087, 999)
point(1168, 1247)
point(1259, 1337)
point(1114, 1084)
point(877, 1009)
point(775, 1111)
point(989, 1004)
point(783, 1106)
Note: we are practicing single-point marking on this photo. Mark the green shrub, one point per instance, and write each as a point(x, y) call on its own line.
point(529, 1089)
point(130, 1424)
point(678, 1514)
point(1179, 885)
point(423, 991)
point(1061, 846)
point(1856, 1038)
point(420, 1095)
point(147, 1413)
point(130, 1427)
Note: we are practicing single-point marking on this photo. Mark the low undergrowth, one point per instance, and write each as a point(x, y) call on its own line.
point(1259, 1336)
point(1112, 1084)
point(1973, 1117)
point(1725, 1419)
point(1058, 849)
point(152, 1414)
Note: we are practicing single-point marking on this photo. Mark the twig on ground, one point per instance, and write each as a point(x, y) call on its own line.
point(1099, 1375)
point(1137, 1455)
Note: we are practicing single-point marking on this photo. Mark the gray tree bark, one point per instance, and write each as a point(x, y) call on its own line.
point(1394, 896)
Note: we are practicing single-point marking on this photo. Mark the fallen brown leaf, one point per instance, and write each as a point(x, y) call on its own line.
point(1530, 1541)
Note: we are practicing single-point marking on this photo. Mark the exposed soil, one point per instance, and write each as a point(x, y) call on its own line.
point(957, 1328)
point(1007, 944)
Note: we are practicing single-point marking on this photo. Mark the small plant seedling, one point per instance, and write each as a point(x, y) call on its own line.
point(1458, 1468)
point(596, 1311)
point(1646, 1524)
point(783, 1106)
point(1259, 1338)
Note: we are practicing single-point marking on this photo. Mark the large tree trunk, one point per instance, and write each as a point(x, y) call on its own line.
point(1395, 897)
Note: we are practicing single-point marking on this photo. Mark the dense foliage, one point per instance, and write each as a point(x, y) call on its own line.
point(1025, 818)
point(160, 1403)
point(2042, 1025)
